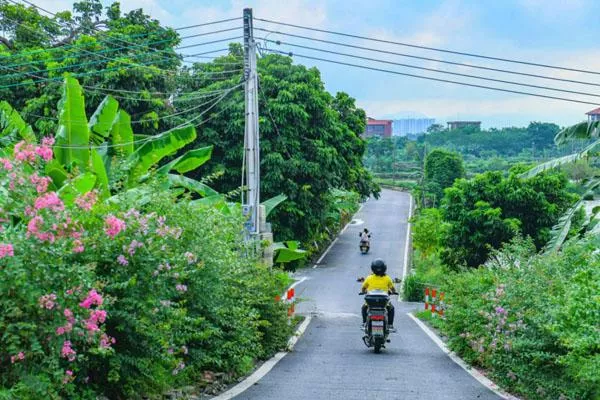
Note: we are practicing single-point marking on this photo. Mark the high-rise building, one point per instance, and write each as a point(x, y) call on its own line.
point(411, 126)
point(463, 124)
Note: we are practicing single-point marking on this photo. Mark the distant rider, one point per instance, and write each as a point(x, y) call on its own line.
point(379, 280)
point(365, 236)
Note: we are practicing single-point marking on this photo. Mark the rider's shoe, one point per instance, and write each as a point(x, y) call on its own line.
point(392, 329)
point(363, 326)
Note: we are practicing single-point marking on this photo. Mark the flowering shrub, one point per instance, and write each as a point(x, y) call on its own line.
point(121, 299)
point(531, 320)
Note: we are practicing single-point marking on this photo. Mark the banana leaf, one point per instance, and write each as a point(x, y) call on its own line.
point(582, 130)
point(192, 185)
point(121, 134)
point(12, 125)
point(273, 202)
point(154, 150)
point(81, 184)
point(72, 136)
point(288, 251)
point(100, 170)
point(189, 161)
point(57, 172)
point(103, 118)
point(557, 162)
point(561, 229)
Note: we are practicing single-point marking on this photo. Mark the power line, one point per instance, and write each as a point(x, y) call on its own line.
point(207, 23)
point(431, 78)
point(433, 69)
point(152, 137)
point(431, 59)
point(430, 48)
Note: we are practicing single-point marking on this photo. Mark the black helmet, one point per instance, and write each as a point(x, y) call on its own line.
point(378, 267)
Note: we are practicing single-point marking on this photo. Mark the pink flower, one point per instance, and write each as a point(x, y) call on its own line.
point(45, 150)
point(87, 201)
point(113, 226)
point(181, 288)
point(69, 315)
point(106, 341)
point(77, 246)
point(24, 152)
point(6, 250)
point(40, 182)
point(47, 301)
point(93, 298)
point(50, 201)
point(68, 377)
point(133, 246)
point(18, 357)
point(67, 352)
point(122, 260)
point(5, 162)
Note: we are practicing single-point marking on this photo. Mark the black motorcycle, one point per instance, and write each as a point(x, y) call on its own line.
point(377, 326)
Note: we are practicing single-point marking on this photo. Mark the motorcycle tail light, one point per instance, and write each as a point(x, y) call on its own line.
point(377, 317)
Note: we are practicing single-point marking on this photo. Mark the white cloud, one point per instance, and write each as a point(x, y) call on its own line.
point(554, 9)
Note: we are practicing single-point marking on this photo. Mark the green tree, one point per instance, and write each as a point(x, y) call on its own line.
point(442, 168)
point(489, 210)
point(310, 141)
point(131, 52)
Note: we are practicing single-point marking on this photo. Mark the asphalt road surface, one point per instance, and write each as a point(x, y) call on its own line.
point(330, 361)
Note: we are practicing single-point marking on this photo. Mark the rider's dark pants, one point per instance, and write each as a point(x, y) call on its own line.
point(390, 312)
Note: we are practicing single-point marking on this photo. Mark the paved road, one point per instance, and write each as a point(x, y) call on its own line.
point(330, 361)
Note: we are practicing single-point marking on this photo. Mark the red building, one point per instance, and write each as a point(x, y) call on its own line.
point(593, 115)
point(378, 127)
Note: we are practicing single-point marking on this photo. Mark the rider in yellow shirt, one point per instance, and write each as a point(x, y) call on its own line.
point(379, 280)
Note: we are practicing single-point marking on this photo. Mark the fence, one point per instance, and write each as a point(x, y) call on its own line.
point(434, 301)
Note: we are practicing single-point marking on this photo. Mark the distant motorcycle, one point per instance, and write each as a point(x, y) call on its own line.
point(377, 326)
point(364, 245)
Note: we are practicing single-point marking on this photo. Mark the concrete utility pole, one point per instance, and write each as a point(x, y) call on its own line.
point(256, 224)
point(251, 193)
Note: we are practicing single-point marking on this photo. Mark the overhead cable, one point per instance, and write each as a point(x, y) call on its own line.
point(431, 59)
point(431, 78)
point(433, 69)
point(461, 53)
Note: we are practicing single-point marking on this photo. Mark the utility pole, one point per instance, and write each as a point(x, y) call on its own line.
point(251, 191)
point(258, 230)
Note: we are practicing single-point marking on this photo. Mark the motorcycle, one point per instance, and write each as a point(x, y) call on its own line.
point(377, 326)
point(364, 245)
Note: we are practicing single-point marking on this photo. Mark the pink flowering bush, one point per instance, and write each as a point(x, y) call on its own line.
point(125, 298)
point(531, 320)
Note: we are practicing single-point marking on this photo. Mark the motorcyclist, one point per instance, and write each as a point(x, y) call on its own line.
point(365, 236)
point(379, 280)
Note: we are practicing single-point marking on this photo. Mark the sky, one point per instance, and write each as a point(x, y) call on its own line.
point(555, 32)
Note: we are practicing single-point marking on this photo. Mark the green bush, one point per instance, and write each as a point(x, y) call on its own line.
point(126, 298)
point(531, 320)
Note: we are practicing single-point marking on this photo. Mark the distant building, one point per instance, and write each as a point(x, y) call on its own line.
point(463, 124)
point(378, 127)
point(593, 115)
point(411, 126)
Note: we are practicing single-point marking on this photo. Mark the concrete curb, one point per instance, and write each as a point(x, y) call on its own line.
point(484, 380)
point(266, 367)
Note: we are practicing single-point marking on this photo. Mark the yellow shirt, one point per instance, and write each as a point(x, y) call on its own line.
point(376, 282)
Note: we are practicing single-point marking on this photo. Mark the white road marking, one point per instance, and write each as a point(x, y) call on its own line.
point(485, 381)
point(293, 285)
point(325, 252)
point(405, 270)
point(266, 367)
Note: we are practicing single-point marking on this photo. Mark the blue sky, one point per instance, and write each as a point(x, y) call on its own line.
point(557, 32)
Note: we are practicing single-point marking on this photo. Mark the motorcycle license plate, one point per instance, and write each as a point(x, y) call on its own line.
point(377, 327)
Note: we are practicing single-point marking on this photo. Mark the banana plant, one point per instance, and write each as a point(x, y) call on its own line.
point(584, 130)
point(89, 146)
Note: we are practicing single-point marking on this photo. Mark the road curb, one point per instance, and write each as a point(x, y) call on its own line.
point(267, 365)
point(484, 380)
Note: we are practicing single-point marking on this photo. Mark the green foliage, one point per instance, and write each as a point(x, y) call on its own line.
point(429, 231)
point(442, 168)
point(531, 320)
point(310, 141)
point(489, 210)
point(90, 44)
